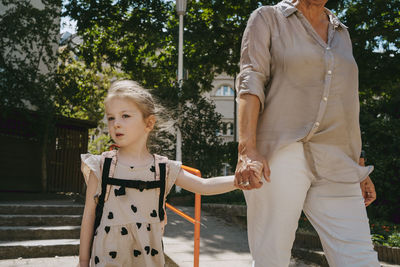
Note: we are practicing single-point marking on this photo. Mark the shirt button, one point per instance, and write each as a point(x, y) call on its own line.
point(329, 72)
point(316, 124)
point(325, 99)
point(328, 48)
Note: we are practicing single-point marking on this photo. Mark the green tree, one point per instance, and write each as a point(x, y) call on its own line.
point(202, 148)
point(374, 29)
point(28, 60)
point(141, 37)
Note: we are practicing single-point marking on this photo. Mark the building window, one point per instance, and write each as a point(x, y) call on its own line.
point(230, 129)
point(225, 91)
point(226, 130)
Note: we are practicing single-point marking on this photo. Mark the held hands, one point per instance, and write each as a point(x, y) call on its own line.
point(368, 191)
point(250, 168)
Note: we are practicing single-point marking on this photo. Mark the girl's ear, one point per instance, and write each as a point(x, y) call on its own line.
point(150, 122)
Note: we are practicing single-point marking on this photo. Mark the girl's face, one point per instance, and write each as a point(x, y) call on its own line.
point(126, 123)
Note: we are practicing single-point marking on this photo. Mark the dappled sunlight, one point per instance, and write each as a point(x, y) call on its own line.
point(216, 235)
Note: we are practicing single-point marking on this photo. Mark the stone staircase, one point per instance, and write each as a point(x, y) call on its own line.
point(32, 229)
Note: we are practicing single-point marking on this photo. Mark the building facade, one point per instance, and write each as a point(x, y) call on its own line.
point(223, 95)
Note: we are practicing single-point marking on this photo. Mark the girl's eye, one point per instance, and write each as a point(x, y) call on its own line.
point(125, 116)
point(110, 118)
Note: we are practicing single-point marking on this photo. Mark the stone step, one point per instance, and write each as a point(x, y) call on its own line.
point(45, 248)
point(15, 233)
point(40, 220)
point(60, 209)
point(38, 248)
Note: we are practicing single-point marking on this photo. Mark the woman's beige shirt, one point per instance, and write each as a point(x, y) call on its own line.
point(308, 90)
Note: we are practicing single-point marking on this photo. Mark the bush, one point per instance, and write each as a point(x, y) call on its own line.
point(381, 140)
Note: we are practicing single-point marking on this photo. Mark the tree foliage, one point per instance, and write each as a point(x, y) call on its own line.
point(141, 37)
point(28, 41)
point(375, 31)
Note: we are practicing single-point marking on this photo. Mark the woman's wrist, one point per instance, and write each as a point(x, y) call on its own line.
point(246, 147)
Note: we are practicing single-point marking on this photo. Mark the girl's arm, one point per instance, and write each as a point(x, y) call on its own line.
point(87, 225)
point(211, 186)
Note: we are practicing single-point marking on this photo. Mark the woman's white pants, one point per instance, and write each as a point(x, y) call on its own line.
point(336, 210)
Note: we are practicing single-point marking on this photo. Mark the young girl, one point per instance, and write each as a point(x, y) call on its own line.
point(128, 186)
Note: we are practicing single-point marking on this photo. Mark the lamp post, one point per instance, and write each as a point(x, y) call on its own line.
point(181, 10)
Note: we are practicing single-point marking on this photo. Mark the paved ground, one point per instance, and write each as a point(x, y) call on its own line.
point(221, 245)
point(72, 261)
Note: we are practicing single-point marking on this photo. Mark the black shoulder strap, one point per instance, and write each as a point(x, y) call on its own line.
point(100, 204)
point(162, 191)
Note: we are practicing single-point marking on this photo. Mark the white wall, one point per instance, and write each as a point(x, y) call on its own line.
point(224, 104)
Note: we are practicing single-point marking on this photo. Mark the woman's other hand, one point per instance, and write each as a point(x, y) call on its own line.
point(368, 191)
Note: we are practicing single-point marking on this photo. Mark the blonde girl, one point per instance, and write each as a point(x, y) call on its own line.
point(128, 186)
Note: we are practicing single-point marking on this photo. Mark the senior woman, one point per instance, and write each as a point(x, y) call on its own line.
point(299, 116)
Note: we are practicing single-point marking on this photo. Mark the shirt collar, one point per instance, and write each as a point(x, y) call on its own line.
point(288, 8)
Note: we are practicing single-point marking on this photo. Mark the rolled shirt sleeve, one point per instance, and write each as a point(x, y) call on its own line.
point(255, 58)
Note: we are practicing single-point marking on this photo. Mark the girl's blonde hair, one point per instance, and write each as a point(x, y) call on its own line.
point(133, 91)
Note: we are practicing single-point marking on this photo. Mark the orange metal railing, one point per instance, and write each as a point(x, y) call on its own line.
point(195, 220)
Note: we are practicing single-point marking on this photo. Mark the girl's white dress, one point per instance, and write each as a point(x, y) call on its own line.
point(130, 230)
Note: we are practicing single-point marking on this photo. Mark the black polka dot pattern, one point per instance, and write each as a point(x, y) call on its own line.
point(136, 253)
point(120, 192)
point(145, 251)
point(124, 231)
point(113, 254)
point(134, 209)
point(154, 252)
point(154, 214)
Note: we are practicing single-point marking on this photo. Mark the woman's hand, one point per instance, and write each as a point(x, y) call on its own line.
point(249, 170)
point(368, 191)
point(367, 187)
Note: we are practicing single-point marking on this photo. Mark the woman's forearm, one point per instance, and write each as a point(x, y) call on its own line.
point(249, 107)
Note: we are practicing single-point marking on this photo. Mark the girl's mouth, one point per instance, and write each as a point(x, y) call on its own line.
point(118, 135)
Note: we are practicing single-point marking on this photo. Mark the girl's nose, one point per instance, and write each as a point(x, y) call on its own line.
point(117, 123)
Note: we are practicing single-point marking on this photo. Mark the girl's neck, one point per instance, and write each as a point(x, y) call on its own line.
point(134, 155)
